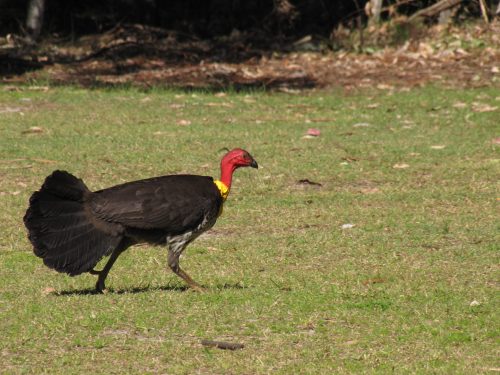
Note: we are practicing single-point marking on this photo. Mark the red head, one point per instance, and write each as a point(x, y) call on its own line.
point(234, 159)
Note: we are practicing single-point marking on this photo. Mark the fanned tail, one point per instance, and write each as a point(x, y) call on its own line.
point(67, 237)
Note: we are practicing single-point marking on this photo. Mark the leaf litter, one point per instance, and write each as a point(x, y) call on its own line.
point(33, 130)
point(400, 166)
point(312, 133)
point(146, 56)
point(482, 107)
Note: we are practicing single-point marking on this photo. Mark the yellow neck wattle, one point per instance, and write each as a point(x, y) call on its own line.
point(223, 189)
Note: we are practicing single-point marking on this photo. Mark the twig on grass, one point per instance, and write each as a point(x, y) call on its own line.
point(222, 345)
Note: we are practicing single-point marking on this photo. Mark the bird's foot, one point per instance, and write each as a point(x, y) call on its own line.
point(198, 288)
point(100, 287)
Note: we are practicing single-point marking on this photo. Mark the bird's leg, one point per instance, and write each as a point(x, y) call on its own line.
point(173, 263)
point(99, 286)
point(192, 284)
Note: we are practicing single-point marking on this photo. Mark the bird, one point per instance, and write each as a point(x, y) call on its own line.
point(72, 228)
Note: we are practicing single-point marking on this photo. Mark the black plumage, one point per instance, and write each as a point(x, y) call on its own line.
point(60, 229)
point(72, 228)
point(176, 202)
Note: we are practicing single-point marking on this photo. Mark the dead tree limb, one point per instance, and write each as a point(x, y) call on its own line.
point(484, 10)
point(435, 9)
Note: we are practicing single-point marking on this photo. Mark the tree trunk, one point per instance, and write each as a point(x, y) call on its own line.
point(376, 9)
point(34, 20)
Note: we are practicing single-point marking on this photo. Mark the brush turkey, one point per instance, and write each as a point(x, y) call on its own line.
point(72, 228)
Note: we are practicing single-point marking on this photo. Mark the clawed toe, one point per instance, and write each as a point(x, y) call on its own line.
point(100, 288)
point(198, 289)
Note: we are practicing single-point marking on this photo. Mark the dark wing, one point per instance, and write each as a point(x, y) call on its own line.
point(172, 203)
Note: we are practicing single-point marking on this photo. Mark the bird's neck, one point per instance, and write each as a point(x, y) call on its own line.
point(226, 176)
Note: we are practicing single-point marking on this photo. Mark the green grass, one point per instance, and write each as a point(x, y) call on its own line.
point(391, 294)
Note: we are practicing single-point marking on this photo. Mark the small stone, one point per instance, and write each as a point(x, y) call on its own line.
point(348, 226)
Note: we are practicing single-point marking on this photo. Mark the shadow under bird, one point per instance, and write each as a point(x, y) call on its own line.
point(72, 228)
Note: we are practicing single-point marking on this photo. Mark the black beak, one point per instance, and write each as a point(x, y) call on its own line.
point(254, 164)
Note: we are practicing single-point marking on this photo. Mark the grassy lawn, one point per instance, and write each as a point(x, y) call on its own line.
point(415, 172)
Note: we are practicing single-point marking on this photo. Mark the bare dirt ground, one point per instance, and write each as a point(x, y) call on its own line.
point(467, 56)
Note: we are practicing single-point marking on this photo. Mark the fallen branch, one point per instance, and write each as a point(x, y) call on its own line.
point(435, 9)
point(222, 345)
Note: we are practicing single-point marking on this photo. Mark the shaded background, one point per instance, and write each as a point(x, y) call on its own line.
point(209, 18)
point(270, 44)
